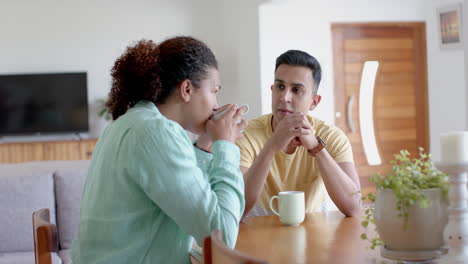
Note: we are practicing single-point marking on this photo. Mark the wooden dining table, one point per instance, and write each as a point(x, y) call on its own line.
point(322, 238)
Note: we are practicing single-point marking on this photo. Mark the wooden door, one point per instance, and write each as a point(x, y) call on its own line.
point(397, 51)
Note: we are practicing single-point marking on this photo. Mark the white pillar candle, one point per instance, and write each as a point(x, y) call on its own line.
point(454, 147)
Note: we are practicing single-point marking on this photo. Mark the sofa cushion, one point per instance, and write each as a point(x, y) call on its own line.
point(68, 187)
point(22, 193)
point(42, 166)
point(24, 258)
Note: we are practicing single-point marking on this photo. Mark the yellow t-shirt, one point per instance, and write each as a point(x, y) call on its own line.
point(297, 171)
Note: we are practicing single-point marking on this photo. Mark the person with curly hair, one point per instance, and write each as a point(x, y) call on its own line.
point(149, 191)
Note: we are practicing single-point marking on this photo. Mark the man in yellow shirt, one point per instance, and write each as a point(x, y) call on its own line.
point(289, 150)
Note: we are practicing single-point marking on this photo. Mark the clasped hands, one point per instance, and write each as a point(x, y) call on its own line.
point(292, 131)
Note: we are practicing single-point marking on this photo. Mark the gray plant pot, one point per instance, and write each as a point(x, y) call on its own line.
point(425, 226)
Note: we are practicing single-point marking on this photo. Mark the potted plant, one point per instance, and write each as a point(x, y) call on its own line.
point(103, 111)
point(410, 211)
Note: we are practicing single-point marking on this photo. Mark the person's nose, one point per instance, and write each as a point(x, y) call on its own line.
point(286, 96)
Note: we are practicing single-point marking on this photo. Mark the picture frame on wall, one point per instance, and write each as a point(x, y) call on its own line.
point(450, 26)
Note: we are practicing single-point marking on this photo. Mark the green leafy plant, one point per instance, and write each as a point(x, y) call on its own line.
point(103, 111)
point(407, 178)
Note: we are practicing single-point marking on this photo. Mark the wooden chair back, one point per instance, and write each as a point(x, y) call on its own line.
point(215, 251)
point(45, 237)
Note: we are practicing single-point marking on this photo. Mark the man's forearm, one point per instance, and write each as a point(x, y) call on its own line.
point(255, 177)
point(342, 186)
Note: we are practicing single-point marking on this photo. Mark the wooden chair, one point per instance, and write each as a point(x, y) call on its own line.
point(215, 251)
point(45, 237)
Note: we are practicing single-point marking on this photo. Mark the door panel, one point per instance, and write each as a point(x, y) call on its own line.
point(399, 103)
point(389, 56)
point(374, 44)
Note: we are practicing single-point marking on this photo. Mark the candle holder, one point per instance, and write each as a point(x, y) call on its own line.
point(456, 231)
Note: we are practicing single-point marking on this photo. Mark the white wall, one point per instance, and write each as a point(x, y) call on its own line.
point(231, 29)
point(447, 89)
point(465, 50)
point(58, 36)
point(306, 25)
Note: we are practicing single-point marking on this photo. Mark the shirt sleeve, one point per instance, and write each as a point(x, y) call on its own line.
point(169, 174)
point(247, 153)
point(338, 146)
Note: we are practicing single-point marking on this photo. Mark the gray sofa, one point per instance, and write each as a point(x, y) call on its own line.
point(27, 187)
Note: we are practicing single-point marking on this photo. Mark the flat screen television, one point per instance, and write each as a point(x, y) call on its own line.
point(50, 103)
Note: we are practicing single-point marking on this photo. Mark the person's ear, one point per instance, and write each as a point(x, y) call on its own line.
point(315, 101)
point(186, 90)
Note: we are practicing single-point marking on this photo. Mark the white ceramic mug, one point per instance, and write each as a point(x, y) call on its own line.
point(221, 111)
point(291, 207)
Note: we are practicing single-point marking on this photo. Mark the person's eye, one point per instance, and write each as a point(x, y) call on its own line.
point(297, 90)
point(280, 86)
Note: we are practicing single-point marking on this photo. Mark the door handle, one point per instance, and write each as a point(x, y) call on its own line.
point(349, 114)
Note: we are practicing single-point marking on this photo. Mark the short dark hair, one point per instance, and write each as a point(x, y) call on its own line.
point(146, 71)
point(301, 58)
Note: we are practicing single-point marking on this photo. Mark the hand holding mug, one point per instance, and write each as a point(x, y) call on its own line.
point(227, 123)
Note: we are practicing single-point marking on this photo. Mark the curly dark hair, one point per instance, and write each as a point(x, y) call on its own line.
point(147, 71)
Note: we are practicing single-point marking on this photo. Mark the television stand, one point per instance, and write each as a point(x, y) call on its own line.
point(40, 137)
point(46, 149)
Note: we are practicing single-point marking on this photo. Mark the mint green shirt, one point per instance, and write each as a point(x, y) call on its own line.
point(149, 192)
